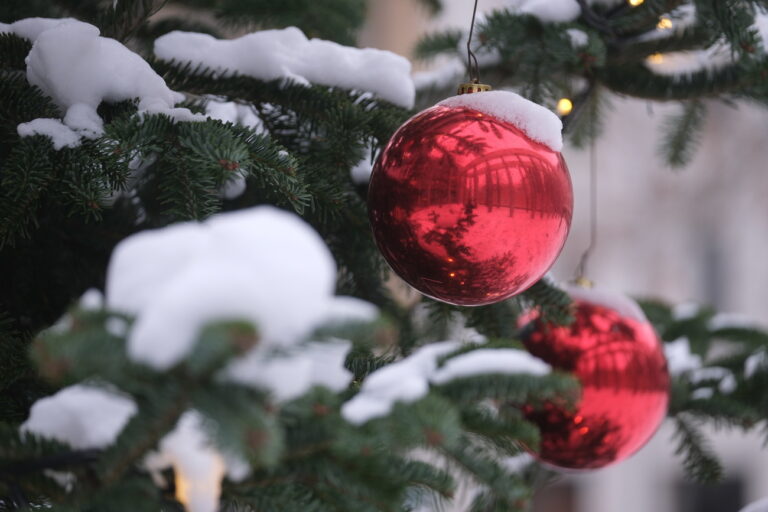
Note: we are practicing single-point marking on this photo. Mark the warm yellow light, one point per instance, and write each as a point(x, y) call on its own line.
point(656, 58)
point(564, 106)
point(182, 489)
point(635, 3)
point(664, 23)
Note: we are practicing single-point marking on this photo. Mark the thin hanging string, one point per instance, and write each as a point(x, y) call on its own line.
point(472, 67)
point(581, 269)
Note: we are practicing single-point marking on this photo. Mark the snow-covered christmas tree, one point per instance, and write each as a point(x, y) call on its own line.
point(194, 311)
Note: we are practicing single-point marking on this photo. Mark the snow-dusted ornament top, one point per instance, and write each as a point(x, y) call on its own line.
point(289, 54)
point(537, 122)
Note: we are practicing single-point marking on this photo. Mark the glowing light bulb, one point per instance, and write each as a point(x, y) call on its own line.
point(564, 106)
point(635, 3)
point(656, 58)
point(664, 23)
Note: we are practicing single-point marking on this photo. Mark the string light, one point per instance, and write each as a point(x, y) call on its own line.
point(656, 58)
point(564, 106)
point(664, 23)
point(635, 3)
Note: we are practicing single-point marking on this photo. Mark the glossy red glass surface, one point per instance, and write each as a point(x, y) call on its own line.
point(625, 386)
point(466, 208)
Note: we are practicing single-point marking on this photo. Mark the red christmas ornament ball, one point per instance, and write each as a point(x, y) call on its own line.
point(615, 353)
point(466, 207)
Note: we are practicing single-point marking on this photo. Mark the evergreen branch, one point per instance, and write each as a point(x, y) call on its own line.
point(334, 20)
point(699, 462)
point(13, 51)
point(513, 389)
point(641, 82)
point(437, 43)
point(124, 17)
point(553, 304)
point(640, 19)
point(683, 133)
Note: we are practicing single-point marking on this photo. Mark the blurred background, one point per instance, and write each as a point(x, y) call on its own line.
point(698, 235)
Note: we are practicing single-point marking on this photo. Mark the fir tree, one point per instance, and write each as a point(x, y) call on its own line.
point(67, 200)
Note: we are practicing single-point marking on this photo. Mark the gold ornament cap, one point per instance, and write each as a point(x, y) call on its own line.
point(472, 87)
point(583, 282)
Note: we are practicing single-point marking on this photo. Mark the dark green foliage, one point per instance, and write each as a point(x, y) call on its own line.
point(683, 132)
point(63, 211)
point(540, 60)
point(336, 20)
point(554, 304)
point(698, 460)
point(437, 43)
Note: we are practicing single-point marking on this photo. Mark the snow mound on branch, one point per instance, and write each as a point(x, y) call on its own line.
point(680, 360)
point(408, 380)
point(404, 381)
point(550, 11)
point(61, 135)
point(679, 64)
point(578, 38)
point(78, 69)
point(31, 28)
point(288, 54)
point(288, 376)
point(199, 467)
point(485, 361)
point(262, 265)
point(761, 26)
point(80, 415)
point(536, 121)
point(755, 363)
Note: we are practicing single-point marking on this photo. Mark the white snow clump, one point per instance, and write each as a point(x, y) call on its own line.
point(679, 357)
point(262, 265)
point(578, 38)
point(404, 381)
point(539, 123)
point(73, 65)
point(31, 28)
point(199, 467)
point(288, 376)
point(506, 361)
point(60, 134)
point(288, 54)
point(550, 11)
point(408, 380)
point(755, 363)
point(82, 416)
point(78, 69)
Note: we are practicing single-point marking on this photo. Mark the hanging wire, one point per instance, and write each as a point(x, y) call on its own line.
point(581, 269)
point(472, 67)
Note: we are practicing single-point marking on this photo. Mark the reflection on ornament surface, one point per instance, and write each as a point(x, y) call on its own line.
point(468, 209)
point(624, 381)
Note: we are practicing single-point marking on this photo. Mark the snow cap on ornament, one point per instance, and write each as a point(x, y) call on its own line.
point(470, 202)
point(616, 355)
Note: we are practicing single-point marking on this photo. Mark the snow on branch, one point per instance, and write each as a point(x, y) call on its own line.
point(83, 416)
point(260, 265)
point(78, 69)
point(408, 380)
point(289, 54)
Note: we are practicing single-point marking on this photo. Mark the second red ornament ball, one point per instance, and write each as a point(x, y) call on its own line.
point(616, 355)
point(470, 202)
